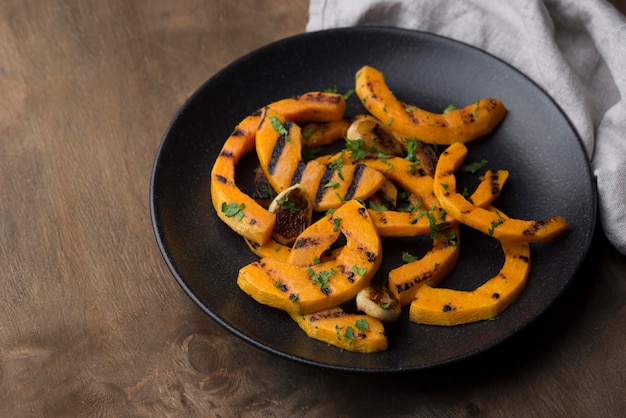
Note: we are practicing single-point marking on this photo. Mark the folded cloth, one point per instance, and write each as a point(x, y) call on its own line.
point(575, 50)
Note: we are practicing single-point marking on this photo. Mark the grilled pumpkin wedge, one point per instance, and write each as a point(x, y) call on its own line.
point(490, 222)
point(459, 125)
point(393, 223)
point(279, 148)
point(238, 210)
point(303, 290)
point(351, 332)
point(442, 306)
point(404, 281)
point(318, 134)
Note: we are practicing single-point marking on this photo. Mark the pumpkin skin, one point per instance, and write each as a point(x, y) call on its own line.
point(332, 327)
point(257, 223)
point(459, 125)
point(490, 222)
point(440, 306)
point(289, 287)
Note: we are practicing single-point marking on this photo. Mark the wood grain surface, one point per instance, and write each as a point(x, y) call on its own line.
point(92, 323)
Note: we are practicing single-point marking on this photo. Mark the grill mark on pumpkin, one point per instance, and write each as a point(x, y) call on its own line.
point(305, 242)
point(354, 184)
point(277, 151)
point(403, 287)
point(297, 175)
point(534, 227)
point(321, 188)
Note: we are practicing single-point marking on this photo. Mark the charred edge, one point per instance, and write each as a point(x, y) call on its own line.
point(491, 104)
point(534, 227)
point(257, 112)
point(297, 175)
point(320, 97)
point(348, 273)
point(354, 184)
point(371, 257)
point(419, 172)
point(263, 113)
point(226, 154)
point(468, 117)
point(524, 258)
point(495, 184)
point(305, 242)
point(238, 132)
point(254, 244)
point(321, 189)
point(446, 308)
point(496, 296)
point(327, 315)
point(416, 280)
point(276, 153)
point(252, 221)
point(221, 178)
point(362, 211)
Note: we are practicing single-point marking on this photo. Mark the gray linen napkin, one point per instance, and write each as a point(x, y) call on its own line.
point(574, 49)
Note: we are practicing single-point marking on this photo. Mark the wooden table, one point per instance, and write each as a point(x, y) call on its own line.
point(91, 320)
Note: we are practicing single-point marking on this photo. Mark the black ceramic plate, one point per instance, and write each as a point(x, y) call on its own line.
point(536, 143)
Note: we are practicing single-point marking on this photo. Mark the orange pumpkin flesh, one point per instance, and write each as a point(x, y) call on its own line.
point(303, 290)
point(459, 125)
point(486, 221)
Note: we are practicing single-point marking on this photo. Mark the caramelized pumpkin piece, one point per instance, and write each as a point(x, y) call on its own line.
point(459, 125)
point(490, 222)
point(440, 306)
point(317, 134)
point(303, 290)
point(393, 223)
point(279, 148)
point(433, 267)
point(238, 210)
point(351, 332)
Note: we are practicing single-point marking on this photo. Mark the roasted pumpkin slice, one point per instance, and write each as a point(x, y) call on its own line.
point(274, 249)
point(441, 306)
point(351, 332)
point(404, 281)
point(393, 223)
point(304, 290)
point(490, 222)
point(238, 210)
point(279, 148)
point(309, 246)
point(271, 248)
point(458, 125)
point(318, 134)
point(386, 197)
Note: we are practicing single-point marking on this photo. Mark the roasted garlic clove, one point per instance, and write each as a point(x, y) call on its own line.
point(374, 135)
point(377, 301)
